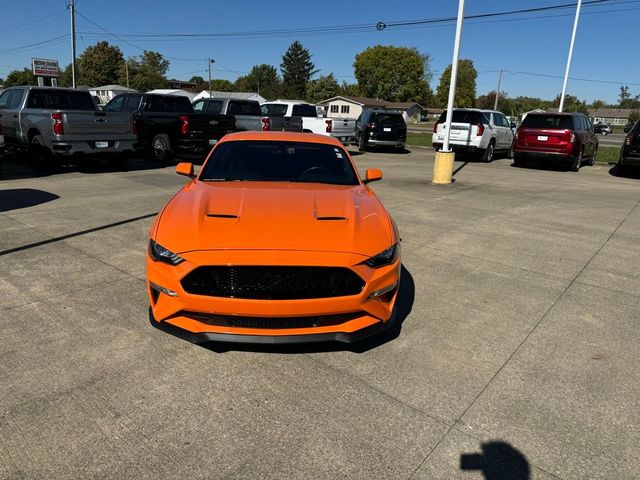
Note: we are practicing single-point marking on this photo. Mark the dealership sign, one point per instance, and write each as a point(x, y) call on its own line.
point(43, 67)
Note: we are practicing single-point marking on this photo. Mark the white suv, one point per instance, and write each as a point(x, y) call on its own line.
point(481, 132)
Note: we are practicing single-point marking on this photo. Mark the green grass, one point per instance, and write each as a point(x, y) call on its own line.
point(419, 139)
point(608, 154)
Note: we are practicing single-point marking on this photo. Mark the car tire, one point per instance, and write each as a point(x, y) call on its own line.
point(362, 144)
point(592, 158)
point(489, 152)
point(518, 161)
point(510, 152)
point(161, 148)
point(576, 163)
point(43, 157)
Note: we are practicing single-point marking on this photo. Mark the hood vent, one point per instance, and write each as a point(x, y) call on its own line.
point(320, 219)
point(221, 215)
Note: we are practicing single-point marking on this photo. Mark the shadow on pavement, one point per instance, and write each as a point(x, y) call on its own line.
point(625, 171)
point(17, 198)
point(404, 304)
point(497, 461)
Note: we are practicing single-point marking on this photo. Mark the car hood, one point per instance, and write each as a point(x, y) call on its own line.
point(275, 216)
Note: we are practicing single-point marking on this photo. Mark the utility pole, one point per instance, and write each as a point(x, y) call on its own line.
point(566, 72)
point(72, 7)
point(126, 69)
point(210, 62)
point(495, 105)
point(443, 166)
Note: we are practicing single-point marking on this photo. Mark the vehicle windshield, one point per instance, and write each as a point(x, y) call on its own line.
point(60, 100)
point(557, 122)
point(279, 161)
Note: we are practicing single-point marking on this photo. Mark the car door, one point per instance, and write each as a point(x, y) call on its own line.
point(593, 140)
point(501, 125)
point(9, 114)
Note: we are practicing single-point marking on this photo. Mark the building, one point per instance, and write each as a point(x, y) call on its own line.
point(177, 91)
point(241, 95)
point(107, 92)
point(611, 116)
point(346, 106)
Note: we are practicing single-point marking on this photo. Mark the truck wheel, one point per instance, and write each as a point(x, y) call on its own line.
point(161, 148)
point(362, 143)
point(592, 158)
point(487, 155)
point(43, 156)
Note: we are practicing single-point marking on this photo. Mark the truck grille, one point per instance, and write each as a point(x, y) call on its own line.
point(272, 283)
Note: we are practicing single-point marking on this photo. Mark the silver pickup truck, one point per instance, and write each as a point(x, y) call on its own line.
point(247, 112)
point(54, 123)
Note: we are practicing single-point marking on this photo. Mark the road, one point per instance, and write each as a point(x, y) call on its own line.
point(517, 354)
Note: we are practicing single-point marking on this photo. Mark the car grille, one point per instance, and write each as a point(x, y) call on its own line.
point(270, 322)
point(272, 283)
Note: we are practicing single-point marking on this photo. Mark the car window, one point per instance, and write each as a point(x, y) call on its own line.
point(244, 108)
point(388, 118)
point(464, 116)
point(132, 103)
point(115, 105)
point(304, 110)
point(552, 121)
point(60, 100)
point(500, 120)
point(274, 110)
point(167, 103)
point(4, 99)
point(273, 161)
point(16, 99)
point(214, 106)
point(198, 106)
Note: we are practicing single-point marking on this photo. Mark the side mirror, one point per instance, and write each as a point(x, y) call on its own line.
point(513, 125)
point(186, 169)
point(372, 175)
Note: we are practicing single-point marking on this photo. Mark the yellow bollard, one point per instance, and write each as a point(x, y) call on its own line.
point(443, 168)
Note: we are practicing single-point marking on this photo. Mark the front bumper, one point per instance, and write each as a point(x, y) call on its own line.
point(202, 318)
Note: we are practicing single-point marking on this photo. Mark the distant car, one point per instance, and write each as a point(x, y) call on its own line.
point(474, 131)
point(630, 152)
point(380, 128)
point(557, 137)
point(602, 128)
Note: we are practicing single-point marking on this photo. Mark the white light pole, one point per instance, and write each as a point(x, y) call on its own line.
point(495, 104)
point(72, 7)
point(443, 165)
point(454, 75)
point(566, 72)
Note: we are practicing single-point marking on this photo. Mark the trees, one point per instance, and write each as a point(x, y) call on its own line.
point(572, 104)
point(146, 72)
point(397, 74)
point(598, 104)
point(624, 93)
point(20, 77)
point(99, 65)
point(465, 85)
point(324, 87)
point(262, 79)
point(297, 69)
point(351, 89)
point(634, 116)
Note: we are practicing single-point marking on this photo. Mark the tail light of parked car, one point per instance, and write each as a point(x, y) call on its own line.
point(58, 128)
point(435, 127)
point(266, 124)
point(329, 125)
point(184, 124)
point(628, 140)
point(134, 126)
point(480, 130)
point(568, 136)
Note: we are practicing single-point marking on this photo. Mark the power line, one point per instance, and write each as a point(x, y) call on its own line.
point(49, 41)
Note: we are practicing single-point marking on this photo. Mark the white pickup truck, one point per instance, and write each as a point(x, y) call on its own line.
point(343, 129)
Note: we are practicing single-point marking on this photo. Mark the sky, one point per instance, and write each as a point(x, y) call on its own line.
point(531, 48)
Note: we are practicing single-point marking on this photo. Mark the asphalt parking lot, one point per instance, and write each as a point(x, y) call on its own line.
point(518, 355)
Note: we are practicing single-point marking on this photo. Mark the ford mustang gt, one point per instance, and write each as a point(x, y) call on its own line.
point(276, 240)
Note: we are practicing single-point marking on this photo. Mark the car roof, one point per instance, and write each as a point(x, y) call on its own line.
point(281, 136)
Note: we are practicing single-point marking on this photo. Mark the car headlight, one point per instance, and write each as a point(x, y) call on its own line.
point(386, 257)
point(160, 254)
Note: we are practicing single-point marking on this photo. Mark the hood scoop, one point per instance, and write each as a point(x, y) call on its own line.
point(328, 219)
point(222, 215)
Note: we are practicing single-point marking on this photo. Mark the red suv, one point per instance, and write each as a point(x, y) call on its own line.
point(564, 137)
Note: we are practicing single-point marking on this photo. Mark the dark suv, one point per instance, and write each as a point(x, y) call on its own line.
point(630, 152)
point(563, 137)
point(380, 128)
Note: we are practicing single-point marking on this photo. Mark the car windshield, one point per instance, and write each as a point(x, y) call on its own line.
point(561, 122)
point(279, 161)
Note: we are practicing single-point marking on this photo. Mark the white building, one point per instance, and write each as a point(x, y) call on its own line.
point(241, 95)
point(107, 92)
point(344, 106)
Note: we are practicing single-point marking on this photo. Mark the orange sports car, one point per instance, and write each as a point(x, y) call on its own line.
point(276, 240)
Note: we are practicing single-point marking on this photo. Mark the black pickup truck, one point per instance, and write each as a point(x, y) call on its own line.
point(167, 126)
